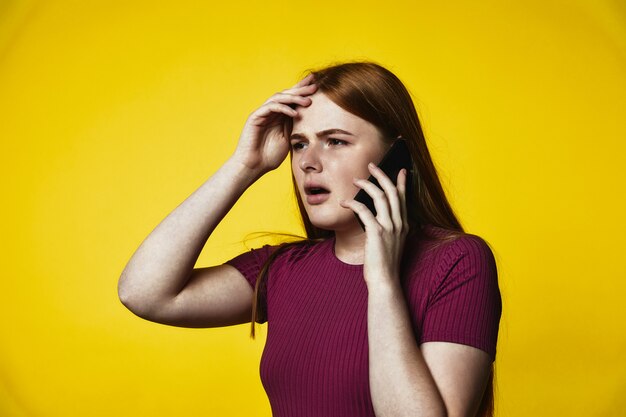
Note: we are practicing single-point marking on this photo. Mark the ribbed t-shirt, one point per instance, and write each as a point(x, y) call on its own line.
point(315, 360)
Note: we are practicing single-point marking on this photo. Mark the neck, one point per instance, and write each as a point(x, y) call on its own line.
point(350, 244)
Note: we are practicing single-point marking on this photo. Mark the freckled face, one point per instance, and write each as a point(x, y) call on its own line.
point(330, 147)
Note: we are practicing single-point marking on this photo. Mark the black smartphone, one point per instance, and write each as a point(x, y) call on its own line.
point(396, 158)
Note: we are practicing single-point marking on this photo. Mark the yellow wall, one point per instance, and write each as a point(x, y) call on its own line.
point(113, 112)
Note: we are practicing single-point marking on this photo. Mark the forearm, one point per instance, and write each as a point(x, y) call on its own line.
point(161, 265)
point(400, 382)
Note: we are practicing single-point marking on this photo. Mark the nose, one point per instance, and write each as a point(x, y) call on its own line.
point(310, 159)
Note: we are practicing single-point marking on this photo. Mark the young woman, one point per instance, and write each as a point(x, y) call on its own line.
point(398, 318)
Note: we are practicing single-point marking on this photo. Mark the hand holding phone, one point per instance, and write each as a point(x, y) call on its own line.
point(396, 158)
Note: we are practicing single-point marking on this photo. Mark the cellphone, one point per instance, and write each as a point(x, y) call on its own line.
point(396, 158)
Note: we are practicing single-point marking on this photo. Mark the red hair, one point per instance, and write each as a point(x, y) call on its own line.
point(377, 96)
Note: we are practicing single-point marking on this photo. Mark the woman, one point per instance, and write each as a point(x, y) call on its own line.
point(398, 318)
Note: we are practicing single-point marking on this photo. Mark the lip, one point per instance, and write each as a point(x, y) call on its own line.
point(310, 184)
point(314, 199)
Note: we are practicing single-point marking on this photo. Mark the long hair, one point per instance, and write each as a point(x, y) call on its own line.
point(377, 96)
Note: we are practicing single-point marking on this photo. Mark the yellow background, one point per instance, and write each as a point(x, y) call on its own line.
point(113, 112)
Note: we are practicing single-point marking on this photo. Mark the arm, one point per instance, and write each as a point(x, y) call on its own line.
point(441, 379)
point(159, 282)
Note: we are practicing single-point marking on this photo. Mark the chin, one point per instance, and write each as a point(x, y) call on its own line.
point(333, 222)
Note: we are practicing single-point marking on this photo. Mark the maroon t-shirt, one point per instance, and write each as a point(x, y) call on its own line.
point(315, 360)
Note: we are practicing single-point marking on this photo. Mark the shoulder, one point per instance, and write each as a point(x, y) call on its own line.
point(275, 257)
point(439, 242)
point(453, 290)
point(439, 253)
point(468, 249)
point(285, 252)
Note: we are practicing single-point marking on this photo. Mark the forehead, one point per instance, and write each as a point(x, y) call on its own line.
point(324, 114)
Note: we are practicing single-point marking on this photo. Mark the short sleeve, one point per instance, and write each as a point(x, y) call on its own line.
point(250, 263)
point(465, 304)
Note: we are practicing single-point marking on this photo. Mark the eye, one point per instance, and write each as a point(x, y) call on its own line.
point(297, 146)
point(334, 141)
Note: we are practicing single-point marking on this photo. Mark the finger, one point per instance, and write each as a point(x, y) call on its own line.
point(273, 107)
point(367, 217)
point(402, 178)
point(306, 90)
point(380, 202)
point(287, 98)
point(391, 193)
point(305, 81)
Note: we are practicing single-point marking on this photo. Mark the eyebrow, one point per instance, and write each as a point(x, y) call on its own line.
point(322, 133)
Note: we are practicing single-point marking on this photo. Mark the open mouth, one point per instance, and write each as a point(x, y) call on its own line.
point(315, 190)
